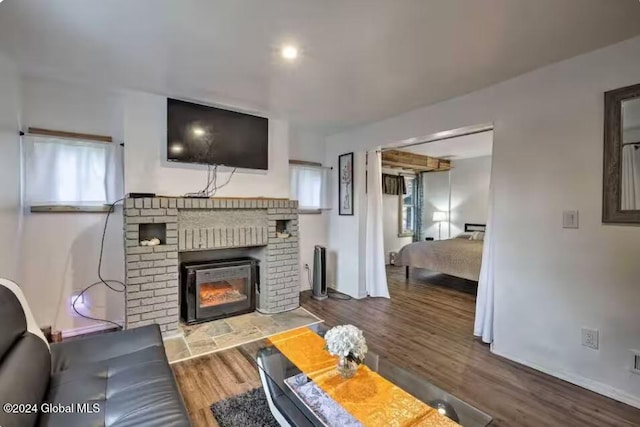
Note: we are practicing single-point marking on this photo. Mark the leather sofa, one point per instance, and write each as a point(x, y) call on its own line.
point(116, 379)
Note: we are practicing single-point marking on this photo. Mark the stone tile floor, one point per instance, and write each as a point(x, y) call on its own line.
point(209, 337)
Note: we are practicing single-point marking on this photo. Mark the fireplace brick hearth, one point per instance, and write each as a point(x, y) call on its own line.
point(152, 292)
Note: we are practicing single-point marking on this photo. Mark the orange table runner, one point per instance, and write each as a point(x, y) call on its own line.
point(368, 397)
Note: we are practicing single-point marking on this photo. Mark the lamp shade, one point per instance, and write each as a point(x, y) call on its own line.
point(439, 216)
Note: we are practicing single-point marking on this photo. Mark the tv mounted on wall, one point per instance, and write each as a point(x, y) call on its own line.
point(213, 136)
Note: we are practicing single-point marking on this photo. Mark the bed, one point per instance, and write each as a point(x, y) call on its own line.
point(459, 257)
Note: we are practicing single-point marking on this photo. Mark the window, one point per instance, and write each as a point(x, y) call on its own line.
point(407, 208)
point(309, 185)
point(69, 172)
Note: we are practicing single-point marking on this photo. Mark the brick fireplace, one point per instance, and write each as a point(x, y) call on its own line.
point(197, 229)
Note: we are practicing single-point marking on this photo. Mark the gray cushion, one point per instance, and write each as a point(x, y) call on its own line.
point(13, 323)
point(126, 373)
point(25, 362)
point(104, 347)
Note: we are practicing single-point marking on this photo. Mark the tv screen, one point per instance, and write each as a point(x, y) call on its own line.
point(207, 135)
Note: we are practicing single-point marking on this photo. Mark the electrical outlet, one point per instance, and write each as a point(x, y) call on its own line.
point(590, 338)
point(78, 301)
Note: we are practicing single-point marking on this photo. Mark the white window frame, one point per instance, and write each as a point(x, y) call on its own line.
point(295, 165)
point(113, 175)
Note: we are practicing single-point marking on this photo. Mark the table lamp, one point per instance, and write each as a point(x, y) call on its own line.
point(439, 217)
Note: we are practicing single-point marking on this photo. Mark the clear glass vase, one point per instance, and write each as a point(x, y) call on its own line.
point(347, 368)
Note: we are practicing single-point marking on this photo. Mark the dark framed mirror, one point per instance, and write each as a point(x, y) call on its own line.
point(621, 180)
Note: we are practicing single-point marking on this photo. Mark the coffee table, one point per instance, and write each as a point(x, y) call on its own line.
point(290, 410)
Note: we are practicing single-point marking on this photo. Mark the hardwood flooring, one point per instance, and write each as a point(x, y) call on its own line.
point(427, 329)
point(208, 379)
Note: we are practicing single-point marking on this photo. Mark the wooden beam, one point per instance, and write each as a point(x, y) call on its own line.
point(73, 135)
point(413, 161)
point(69, 209)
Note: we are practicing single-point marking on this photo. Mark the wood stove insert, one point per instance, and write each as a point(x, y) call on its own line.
point(217, 289)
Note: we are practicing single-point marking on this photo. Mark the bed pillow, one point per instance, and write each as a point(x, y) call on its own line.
point(466, 235)
point(477, 235)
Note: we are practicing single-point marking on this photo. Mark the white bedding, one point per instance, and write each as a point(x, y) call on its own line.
point(456, 257)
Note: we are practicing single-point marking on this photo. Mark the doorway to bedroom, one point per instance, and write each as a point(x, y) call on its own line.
point(435, 206)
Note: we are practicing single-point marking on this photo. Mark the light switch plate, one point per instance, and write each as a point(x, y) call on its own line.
point(570, 219)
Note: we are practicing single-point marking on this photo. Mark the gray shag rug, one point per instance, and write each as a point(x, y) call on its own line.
point(249, 409)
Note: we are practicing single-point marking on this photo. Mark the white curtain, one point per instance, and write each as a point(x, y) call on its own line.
point(309, 186)
point(375, 272)
point(60, 171)
point(630, 178)
point(483, 326)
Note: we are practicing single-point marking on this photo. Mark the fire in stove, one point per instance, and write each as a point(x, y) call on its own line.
point(219, 288)
point(219, 293)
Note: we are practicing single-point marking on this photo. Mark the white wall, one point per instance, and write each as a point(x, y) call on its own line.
point(390, 213)
point(470, 180)
point(547, 157)
point(147, 170)
point(9, 169)
point(60, 251)
point(346, 233)
point(312, 228)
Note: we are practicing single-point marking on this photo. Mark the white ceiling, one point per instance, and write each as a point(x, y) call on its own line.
point(362, 60)
point(462, 147)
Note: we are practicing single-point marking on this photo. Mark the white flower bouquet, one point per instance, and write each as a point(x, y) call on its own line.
point(347, 342)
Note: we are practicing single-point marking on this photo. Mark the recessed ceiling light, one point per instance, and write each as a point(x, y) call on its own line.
point(177, 148)
point(289, 52)
point(198, 131)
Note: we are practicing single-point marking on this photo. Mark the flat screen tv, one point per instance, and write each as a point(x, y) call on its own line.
point(213, 136)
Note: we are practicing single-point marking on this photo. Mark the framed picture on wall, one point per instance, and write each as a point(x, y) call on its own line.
point(345, 184)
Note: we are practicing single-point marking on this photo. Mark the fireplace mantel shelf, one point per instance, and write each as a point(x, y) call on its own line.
point(211, 198)
point(210, 203)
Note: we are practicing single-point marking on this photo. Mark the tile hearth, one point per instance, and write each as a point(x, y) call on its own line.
point(209, 337)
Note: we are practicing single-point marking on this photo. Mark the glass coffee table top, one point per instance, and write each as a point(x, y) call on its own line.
point(277, 373)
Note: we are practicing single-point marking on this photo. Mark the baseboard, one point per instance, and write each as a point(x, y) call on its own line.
point(580, 381)
point(89, 329)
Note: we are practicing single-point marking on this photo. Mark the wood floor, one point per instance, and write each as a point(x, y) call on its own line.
point(427, 329)
point(208, 379)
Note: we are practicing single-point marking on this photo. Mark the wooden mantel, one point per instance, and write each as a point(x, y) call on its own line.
point(418, 162)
